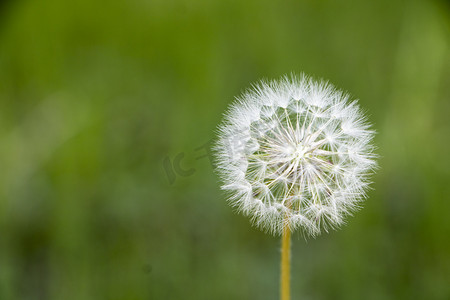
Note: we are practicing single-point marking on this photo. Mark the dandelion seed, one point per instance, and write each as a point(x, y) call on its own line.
point(295, 153)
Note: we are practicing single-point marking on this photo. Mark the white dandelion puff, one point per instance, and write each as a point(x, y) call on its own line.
point(295, 152)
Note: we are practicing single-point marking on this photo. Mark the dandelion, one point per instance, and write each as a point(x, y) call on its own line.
point(295, 154)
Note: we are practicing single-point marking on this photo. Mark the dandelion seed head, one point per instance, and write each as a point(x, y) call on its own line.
point(295, 152)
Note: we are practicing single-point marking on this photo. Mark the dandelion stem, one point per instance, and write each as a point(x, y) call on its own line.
point(286, 263)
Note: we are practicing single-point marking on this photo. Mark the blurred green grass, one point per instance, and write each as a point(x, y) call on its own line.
point(94, 97)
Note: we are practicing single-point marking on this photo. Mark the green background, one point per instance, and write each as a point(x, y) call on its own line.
point(98, 98)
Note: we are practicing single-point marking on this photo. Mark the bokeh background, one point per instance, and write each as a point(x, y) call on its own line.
point(107, 111)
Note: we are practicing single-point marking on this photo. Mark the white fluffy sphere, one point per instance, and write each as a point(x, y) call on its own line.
point(295, 152)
